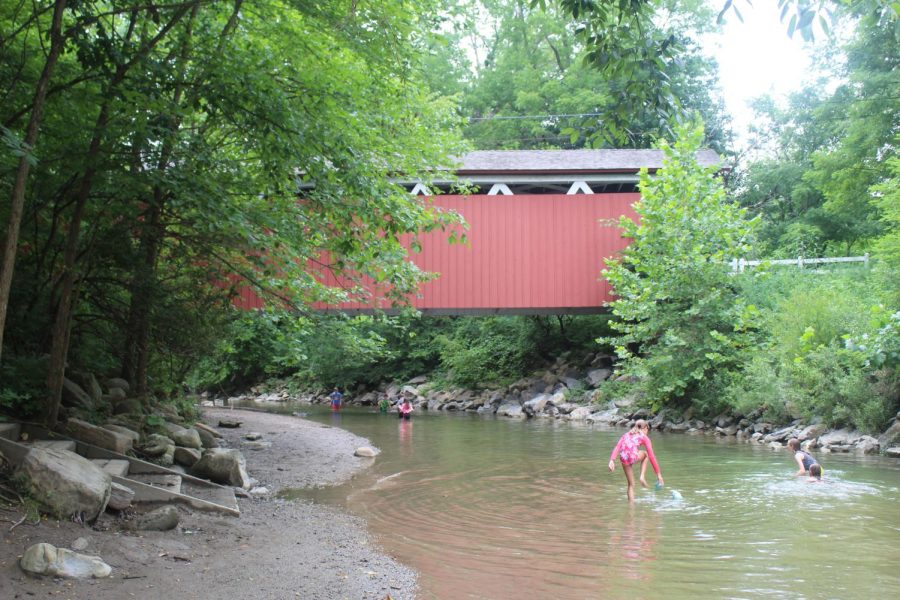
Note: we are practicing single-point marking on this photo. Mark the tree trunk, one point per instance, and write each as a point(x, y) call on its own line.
point(136, 362)
point(59, 347)
point(61, 326)
point(17, 201)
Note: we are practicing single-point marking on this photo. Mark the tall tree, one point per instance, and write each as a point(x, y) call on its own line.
point(196, 127)
point(538, 87)
point(36, 115)
point(680, 319)
point(827, 150)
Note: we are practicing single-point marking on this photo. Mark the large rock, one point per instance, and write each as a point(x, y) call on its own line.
point(886, 439)
point(116, 394)
point(117, 382)
point(182, 436)
point(46, 559)
point(98, 436)
point(157, 445)
point(536, 404)
point(120, 497)
point(74, 395)
point(513, 410)
point(134, 435)
point(598, 376)
point(204, 427)
point(780, 435)
point(608, 416)
point(811, 432)
point(186, 457)
point(838, 437)
point(207, 439)
point(223, 465)
point(189, 438)
point(579, 414)
point(128, 406)
point(65, 483)
point(163, 518)
point(868, 445)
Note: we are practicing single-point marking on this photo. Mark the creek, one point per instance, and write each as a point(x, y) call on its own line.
point(488, 508)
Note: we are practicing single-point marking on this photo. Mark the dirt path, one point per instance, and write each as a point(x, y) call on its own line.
point(276, 549)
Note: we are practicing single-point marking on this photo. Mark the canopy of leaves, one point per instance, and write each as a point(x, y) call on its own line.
point(197, 122)
point(536, 83)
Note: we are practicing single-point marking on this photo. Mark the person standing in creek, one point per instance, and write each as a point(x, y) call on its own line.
point(337, 398)
point(629, 452)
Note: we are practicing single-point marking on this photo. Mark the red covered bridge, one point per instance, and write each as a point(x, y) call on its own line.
point(541, 223)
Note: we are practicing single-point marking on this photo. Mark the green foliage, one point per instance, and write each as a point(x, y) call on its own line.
point(254, 345)
point(832, 382)
point(881, 349)
point(21, 380)
point(825, 187)
point(338, 350)
point(825, 350)
point(203, 123)
point(536, 82)
point(886, 198)
point(680, 316)
point(154, 422)
point(815, 314)
point(485, 351)
point(759, 388)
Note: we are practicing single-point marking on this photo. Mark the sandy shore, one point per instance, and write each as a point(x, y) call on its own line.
point(276, 549)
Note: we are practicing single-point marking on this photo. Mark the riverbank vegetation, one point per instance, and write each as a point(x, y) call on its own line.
point(152, 153)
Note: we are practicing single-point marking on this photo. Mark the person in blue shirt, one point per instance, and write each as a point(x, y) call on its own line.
point(337, 398)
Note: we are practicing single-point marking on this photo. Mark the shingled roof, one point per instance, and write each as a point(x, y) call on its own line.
point(550, 161)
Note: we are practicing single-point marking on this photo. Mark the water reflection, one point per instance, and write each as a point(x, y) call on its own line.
point(405, 438)
point(634, 544)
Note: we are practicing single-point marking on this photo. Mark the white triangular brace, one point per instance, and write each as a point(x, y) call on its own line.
point(499, 189)
point(420, 190)
point(579, 187)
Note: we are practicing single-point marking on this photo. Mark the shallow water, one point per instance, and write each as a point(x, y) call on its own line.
point(499, 509)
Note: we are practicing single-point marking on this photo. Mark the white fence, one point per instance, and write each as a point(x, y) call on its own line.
point(739, 264)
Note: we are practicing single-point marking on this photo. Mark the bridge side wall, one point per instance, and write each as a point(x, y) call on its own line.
point(525, 254)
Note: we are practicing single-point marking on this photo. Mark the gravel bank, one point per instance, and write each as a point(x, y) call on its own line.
point(276, 549)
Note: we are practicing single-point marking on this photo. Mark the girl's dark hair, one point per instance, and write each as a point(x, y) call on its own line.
point(794, 444)
point(815, 471)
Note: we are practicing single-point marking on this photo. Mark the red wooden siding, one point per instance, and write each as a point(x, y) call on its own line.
point(526, 253)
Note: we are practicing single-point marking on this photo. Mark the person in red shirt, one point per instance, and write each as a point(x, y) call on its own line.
point(629, 452)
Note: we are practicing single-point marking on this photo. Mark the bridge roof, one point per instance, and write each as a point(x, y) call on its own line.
point(569, 161)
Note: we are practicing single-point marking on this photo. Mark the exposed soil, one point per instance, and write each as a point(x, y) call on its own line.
point(275, 549)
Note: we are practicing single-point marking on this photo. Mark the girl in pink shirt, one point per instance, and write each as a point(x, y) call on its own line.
point(629, 452)
point(406, 410)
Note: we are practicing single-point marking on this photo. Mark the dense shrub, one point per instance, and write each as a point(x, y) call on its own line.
point(21, 380)
point(252, 346)
point(833, 383)
point(825, 350)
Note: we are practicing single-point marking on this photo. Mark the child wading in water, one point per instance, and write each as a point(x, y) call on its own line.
point(805, 460)
point(629, 452)
point(815, 473)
